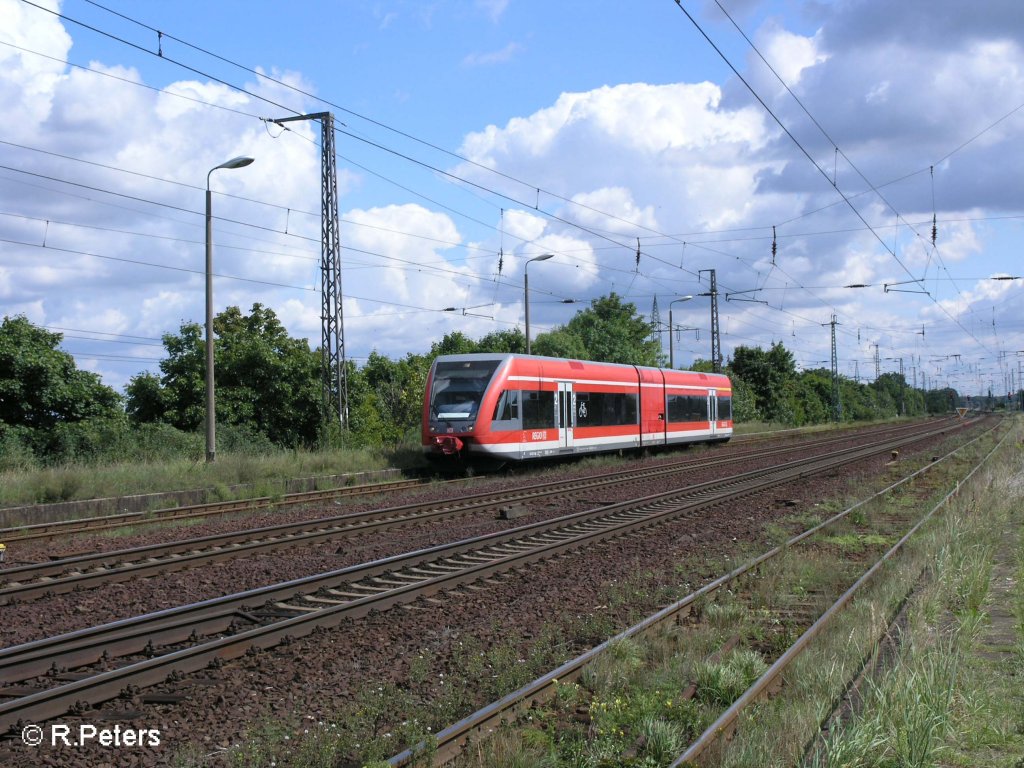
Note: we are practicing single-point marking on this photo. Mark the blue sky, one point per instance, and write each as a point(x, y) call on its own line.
point(514, 127)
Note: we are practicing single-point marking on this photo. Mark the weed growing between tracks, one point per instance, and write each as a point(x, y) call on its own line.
point(954, 694)
point(682, 677)
point(641, 710)
point(930, 695)
point(387, 716)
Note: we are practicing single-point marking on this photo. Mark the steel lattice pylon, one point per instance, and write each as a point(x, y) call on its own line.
point(716, 342)
point(837, 403)
point(332, 346)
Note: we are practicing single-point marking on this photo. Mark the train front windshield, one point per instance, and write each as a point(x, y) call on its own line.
point(459, 387)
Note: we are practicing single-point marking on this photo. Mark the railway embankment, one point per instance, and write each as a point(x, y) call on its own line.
point(952, 692)
point(29, 514)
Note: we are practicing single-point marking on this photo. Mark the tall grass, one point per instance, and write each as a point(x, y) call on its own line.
point(123, 478)
point(934, 694)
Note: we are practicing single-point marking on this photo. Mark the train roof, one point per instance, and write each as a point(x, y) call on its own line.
point(502, 356)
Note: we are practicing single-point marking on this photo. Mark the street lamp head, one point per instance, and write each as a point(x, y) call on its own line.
point(236, 162)
point(542, 257)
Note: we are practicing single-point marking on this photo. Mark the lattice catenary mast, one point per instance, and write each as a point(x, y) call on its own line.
point(332, 348)
point(716, 342)
point(837, 403)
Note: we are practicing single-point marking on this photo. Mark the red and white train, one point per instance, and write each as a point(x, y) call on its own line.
point(485, 410)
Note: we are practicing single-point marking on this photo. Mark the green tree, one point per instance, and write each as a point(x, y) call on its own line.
point(49, 407)
point(454, 343)
point(703, 365)
point(860, 402)
point(609, 331)
point(941, 400)
point(892, 389)
point(183, 380)
point(395, 388)
point(144, 399)
point(767, 374)
point(266, 379)
point(561, 342)
point(809, 397)
point(41, 386)
point(513, 341)
point(743, 406)
point(266, 382)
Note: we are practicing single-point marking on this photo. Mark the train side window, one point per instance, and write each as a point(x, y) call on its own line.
point(687, 407)
point(725, 408)
point(538, 410)
point(605, 409)
point(507, 407)
point(506, 411)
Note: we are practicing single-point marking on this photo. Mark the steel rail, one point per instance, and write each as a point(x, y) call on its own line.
point(448, 742)
point(34, 531)
point(384, 565)
point(56, 701)
point(175, 624)
point(771, 678)
point(91, 570)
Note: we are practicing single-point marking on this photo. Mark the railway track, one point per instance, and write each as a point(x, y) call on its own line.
point(449, 742)
point(66, 528)
point(53, 529)
point(87, 571)
point(176, 641)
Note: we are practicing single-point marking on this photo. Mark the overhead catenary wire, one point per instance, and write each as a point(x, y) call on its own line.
point(641, 274)
point(305, 93)
point(807, 155)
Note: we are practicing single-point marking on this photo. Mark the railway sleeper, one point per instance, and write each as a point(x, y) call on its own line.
point(408, 578)
point(352, 595)
point(325, 600)
point(395, 580)
point(429, 573)
point(299, 608)
point(447, 567)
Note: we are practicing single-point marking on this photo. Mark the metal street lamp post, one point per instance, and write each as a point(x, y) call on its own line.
point(671, 345)
point(211, 424)
point(526, 292)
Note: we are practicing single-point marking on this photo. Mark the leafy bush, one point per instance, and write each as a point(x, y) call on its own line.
point(16, 454)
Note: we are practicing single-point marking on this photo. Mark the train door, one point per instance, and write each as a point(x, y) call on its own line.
point(566, 408)
point(713, 410)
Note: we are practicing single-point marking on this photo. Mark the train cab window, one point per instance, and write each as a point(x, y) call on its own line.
point(459, 387)
point(538, 410)
point(506, 411)
point(724, 408)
